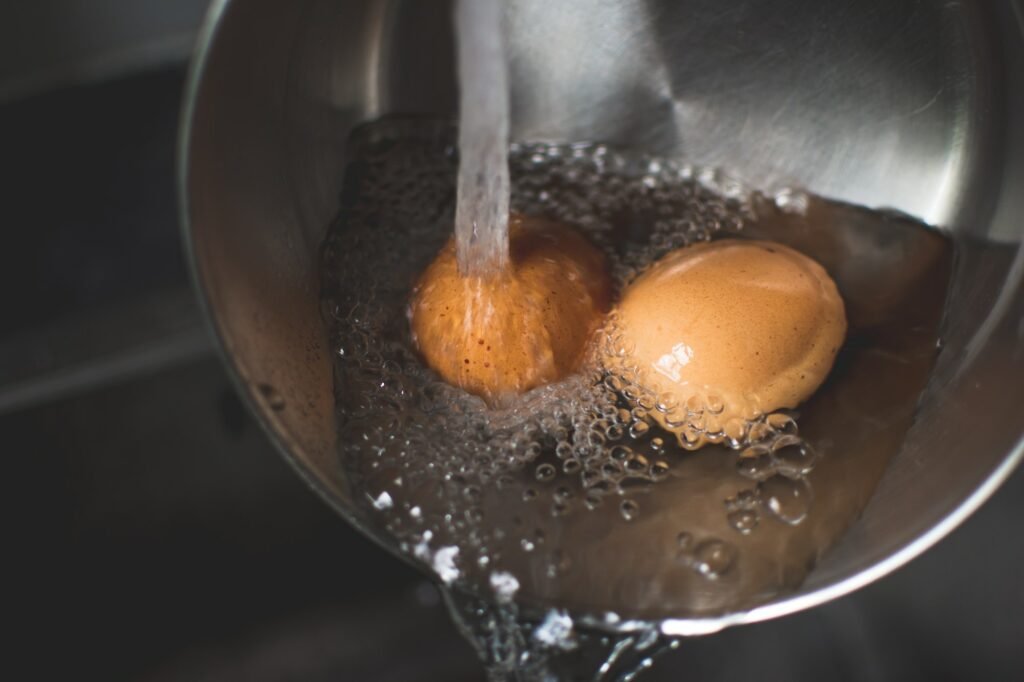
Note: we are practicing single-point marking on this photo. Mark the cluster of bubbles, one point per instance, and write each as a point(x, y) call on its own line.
point(636, 208)
point(425, 456)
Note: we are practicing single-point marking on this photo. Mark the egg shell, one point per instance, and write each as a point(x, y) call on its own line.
point(727, 330)
point(527, 326)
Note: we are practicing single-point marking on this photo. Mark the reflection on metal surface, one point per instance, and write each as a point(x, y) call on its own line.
point(867, 102)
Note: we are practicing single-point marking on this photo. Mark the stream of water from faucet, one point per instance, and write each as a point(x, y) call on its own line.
point(483, 187)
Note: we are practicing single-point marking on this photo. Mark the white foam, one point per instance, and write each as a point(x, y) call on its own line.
point(504, 585)
point(383, 501)
point(444, 564)
point(556, 631)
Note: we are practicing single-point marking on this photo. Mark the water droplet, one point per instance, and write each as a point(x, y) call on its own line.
point(629, 509)
point(788, 499)
point(759, 431)
point(735, 430)
point(684, 540)
point(744, 499)
point(545, 472)
point(621, 453)
point(690, 438)
point(659, 470)
point(744, 521)
point(637, 464)
point(756, 463)
point(638, 429)
point(781, 423)
point(713, 558)
point(614, 432)
point(666, 402)
point(612, 470)
point(793, 456)
point(714, 404)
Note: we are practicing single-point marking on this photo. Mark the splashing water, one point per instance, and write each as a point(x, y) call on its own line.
point(481, 214)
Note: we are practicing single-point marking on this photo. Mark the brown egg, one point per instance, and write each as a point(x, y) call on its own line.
point(725, 331)
point(521, 328)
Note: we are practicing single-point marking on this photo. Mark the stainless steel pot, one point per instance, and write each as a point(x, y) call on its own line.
point(886, 103)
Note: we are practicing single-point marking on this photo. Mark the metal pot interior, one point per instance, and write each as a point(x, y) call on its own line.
point(886, 104)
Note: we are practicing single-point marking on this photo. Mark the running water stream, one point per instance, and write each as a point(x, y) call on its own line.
point(481, 215)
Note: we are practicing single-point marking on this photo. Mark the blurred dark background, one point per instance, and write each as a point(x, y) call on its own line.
point(150, 532)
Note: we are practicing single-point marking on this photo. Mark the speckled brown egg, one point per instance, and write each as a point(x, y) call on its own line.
point(527, 326)
point(727, 330)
